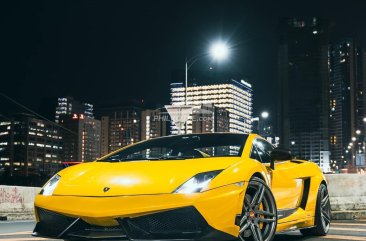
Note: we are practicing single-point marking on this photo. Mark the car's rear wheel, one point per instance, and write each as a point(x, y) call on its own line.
point(258, 221)
point(322, 214)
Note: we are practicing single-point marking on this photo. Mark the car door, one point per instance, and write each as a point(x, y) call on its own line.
point(286, 188)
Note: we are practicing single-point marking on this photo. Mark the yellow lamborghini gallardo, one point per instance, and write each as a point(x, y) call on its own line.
point(220, 186)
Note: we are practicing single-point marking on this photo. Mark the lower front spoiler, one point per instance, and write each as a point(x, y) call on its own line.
point(182, 223)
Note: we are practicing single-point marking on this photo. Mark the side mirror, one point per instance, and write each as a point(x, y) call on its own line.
point(279, 154)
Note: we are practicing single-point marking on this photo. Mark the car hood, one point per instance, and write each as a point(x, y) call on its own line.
point(134, 177)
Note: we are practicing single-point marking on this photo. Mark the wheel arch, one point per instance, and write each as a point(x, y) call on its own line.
point(261, 174)
point(258, 175)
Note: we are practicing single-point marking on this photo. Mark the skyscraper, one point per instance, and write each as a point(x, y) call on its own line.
point(304, 88)
point(235, 96)
point(81, 139)
point(209, 118)
point(30, 149)
point(68, 106)
point(347, 102)
point(154, 123)
point(121, 126)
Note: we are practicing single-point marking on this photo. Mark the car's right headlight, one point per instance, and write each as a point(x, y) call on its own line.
point(50, 186)
point(197, 183)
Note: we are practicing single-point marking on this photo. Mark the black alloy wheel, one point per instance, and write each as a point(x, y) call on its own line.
point(258, 221)
point(322, 214)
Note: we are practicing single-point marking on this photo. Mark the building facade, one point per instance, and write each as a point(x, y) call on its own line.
point(81, 138)
point(209, 118)
point(30, 149)
point(154, 123)
point(121, 126)
point(68, 106)
point(264, 128)
point(231, 95)
point(347, 103)
point(304, 88)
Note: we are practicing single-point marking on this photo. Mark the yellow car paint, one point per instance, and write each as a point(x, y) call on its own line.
point(145, 187)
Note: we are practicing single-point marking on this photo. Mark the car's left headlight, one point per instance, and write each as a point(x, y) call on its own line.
point(197, 183)
point(50, 186)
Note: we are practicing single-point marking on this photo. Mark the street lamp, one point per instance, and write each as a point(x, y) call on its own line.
point(180, 113)
point(218, 51)
point(264, 114)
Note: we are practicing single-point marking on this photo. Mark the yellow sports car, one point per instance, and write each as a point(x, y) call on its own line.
point(220, 186)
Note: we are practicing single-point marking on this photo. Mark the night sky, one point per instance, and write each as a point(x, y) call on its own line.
point(108, 52)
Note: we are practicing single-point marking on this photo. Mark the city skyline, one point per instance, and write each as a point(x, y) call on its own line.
point(183, 120)
point(305, 100)
point(71, 65)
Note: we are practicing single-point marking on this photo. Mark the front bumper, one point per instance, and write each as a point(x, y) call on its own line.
point(208, 215)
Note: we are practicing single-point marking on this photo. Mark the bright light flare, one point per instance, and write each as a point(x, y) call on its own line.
point(219, 51)
point(264, 114)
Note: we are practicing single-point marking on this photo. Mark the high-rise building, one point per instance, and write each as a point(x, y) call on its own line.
point(121, 126)
point(231, 95)
point(81, 138)
point(347, 69)
point(30, 149)
point(262, 127)
point(154, 123)
point(304, 88)
point(209, 118)
point(68, 106)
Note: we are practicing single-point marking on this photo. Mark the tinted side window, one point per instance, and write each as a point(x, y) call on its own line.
point(264, 150)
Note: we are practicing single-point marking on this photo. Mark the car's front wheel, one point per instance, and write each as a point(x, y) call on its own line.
point(258, 221)
point(322, 214)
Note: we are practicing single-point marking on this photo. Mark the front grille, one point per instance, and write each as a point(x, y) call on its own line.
point(52, 224)
point(104, 229)
point(183, 222)
point(56, 225)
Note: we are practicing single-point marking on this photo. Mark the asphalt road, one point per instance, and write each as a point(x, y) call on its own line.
point(340, 230)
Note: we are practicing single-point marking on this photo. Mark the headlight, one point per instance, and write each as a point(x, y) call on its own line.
point(50, 186)
point(197, 183)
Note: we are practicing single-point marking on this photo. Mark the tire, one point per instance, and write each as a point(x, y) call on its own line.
point(322, 214)
point(258, 220)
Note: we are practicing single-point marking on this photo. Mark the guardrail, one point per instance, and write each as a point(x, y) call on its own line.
point(16, 203)
point(347, 196)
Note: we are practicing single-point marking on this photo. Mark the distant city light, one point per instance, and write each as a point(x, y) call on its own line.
point(358, 132)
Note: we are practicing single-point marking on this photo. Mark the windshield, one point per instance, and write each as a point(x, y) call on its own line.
point(182, 147)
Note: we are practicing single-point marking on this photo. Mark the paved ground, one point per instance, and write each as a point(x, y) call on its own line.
point(340, 230)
